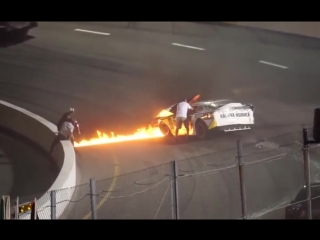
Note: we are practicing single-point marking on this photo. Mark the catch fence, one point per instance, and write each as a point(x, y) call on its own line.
point(247, 182)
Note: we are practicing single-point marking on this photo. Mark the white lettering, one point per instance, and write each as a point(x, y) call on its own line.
point(241, 114)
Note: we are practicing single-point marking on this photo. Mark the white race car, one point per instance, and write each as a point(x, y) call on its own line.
point(206, 115)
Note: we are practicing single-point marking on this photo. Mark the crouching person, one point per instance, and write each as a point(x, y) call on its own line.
point(65, 133)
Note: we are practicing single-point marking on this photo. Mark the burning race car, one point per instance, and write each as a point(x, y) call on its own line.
point(207, 115)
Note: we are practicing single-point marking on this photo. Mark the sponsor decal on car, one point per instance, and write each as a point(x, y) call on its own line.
point(241, 114)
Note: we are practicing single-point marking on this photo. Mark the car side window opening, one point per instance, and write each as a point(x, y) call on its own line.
point(198, 109)
point(209, 108)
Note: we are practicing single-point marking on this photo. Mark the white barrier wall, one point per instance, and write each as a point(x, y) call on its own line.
point(42, 132)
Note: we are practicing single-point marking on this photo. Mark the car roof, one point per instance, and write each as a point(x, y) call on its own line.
point(213, 103)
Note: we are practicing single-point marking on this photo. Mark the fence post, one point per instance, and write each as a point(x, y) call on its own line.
point(307, 173)
point(174, 190)
point(93, 198)
point(34, 210)
point(7, 207)
point(16, 212)
point(2, 208)
point(53, 200)
point(241, 178)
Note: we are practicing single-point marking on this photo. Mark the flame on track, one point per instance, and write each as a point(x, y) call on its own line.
point(140, 134)
point(102, 138)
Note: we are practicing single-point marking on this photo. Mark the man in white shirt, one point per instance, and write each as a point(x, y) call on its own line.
point(67, 130)
point(65, 133)
point(181, 116)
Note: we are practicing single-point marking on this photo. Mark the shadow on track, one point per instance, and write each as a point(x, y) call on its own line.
point(15, 36)
point(183, 140)
point(33, 170)
point(213, 134)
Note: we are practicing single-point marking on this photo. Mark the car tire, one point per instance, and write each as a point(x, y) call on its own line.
point(201, 130)
point(165, 130)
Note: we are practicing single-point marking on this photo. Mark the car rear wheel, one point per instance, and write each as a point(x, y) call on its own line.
point(201, 130)
point(165, 130)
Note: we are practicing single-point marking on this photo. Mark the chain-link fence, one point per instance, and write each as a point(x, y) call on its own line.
point(256, 181)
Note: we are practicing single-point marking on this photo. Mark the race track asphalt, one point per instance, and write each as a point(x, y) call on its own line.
point(25, 170)
point(117, 82)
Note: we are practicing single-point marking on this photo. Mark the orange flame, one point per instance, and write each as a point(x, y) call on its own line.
point(143, 133)
point(102, 138)
point(164, 113)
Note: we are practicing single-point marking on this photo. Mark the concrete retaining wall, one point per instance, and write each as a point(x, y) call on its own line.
point(309, 29)
point(42, 132)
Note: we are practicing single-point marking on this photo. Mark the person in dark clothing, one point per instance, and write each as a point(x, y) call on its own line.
point(65, 117)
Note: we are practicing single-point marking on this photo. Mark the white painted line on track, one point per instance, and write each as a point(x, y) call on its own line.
point(186, 46)
point(273, 64)
point(88, 31)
